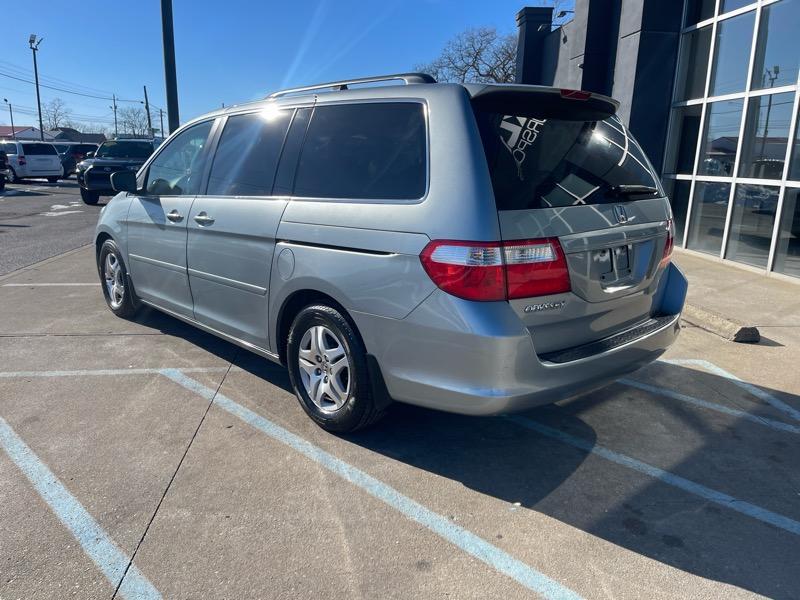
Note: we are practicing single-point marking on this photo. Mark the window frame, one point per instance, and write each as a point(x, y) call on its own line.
point(426, 125)
point(784, 183)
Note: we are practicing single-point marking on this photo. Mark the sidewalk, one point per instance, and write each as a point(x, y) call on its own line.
point(744, 297)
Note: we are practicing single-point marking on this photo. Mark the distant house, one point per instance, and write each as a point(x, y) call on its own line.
point(23, 133)
point(68, 134)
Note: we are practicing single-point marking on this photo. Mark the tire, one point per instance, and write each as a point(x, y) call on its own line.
point(117, 288)
point(89, 197)
point(2, 183)
point(342, 402)
point(12, 178)
point(53, 179)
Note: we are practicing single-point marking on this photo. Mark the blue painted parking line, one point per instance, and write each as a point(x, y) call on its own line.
point(95, 542)
point(756, 391)
point(103, 372)
point(739, 414)
point(438, 524)
point(725, 500)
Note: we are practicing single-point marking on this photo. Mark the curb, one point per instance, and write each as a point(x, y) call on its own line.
point(724, 327)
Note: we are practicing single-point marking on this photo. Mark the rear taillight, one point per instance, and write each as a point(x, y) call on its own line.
point(21, 160)
point(575, 94)
point(668, 246)
point(489, 271)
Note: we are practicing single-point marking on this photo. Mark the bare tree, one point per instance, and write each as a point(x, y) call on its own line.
point(476, 55)
point(55, 114)
point(133, 120)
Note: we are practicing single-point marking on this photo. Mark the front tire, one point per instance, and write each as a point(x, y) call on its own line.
point(117, 290)
point(12, 178)
point(328, 368)
point(89, 197)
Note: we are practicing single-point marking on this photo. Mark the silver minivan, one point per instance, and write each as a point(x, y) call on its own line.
point(478, 249)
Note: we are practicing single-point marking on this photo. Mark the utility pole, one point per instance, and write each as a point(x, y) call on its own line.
point(34, 44)
point(147, 110)
point(161, 116)
point(114, 108)
point(11, 114)
point(169, 64)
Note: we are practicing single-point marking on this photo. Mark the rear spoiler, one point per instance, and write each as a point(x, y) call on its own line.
point(541, 101)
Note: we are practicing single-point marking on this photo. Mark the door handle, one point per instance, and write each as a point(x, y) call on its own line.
point(203, 219)
point(175, 216)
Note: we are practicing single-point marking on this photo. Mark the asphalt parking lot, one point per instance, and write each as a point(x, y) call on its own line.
point(147, 459)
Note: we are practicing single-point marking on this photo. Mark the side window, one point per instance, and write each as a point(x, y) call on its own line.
point(364, 150)
point(247, 154)
point(177, 170)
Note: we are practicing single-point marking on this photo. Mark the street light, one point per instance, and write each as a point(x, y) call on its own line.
point(34, 44)
point(11, 114)
point(564, 13)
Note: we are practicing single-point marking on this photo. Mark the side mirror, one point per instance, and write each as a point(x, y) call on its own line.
point(124, 181)
point(89, 154)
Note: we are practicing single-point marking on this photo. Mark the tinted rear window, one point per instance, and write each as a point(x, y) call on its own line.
point(247, 154)
point(38, 149)
point(364, 151)
point(9, 148)
point(546, 163)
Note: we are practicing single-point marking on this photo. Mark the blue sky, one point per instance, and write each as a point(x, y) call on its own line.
point(229, 51)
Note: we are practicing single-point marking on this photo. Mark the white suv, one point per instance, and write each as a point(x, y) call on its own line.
point(32, 159)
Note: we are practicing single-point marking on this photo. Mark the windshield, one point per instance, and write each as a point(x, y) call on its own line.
point(116, 149)
point(547, 163)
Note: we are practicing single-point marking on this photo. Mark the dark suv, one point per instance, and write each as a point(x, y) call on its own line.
point(94, 173)
point(3, 170)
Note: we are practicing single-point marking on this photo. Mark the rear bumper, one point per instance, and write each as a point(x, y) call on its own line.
point(479, 358)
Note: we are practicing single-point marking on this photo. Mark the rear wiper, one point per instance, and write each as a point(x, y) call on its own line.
point(633, 189)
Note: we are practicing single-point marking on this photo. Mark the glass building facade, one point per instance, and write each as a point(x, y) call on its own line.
point(732, 160)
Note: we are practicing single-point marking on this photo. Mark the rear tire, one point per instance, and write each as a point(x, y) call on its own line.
point(12, 178)
point(53, 179)
point(117, 288)
point(89, 197)
point(328, 368)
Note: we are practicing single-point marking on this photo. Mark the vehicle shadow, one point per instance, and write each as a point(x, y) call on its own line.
point(500, 458)
point(723, 460)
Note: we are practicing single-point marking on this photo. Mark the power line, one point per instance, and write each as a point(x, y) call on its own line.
point(66, 91)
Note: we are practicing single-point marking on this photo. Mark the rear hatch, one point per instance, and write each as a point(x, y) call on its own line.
point(564, 167)
point(41, 158)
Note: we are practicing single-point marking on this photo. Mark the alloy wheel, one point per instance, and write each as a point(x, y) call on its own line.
point(324, 368)
point(114, 280)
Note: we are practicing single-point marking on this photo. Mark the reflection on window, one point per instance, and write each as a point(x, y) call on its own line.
point(678, 193)
point(794, 167)
point(752, 219)
point(694, 63)
point(766, 135)
point(787, 252)
point(729, 5)
point(732, 55)
point(683, 139)
point(707, 222)
point(776, 59)
point(720, 138)
point(699, 10)
point(176, 171)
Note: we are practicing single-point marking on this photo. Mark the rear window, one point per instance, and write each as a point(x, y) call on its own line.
point(9, 148)
point(362, 151)
point(38, 149)
point(548, 163)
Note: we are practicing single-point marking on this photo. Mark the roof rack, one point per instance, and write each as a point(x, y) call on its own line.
point(407, 78)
